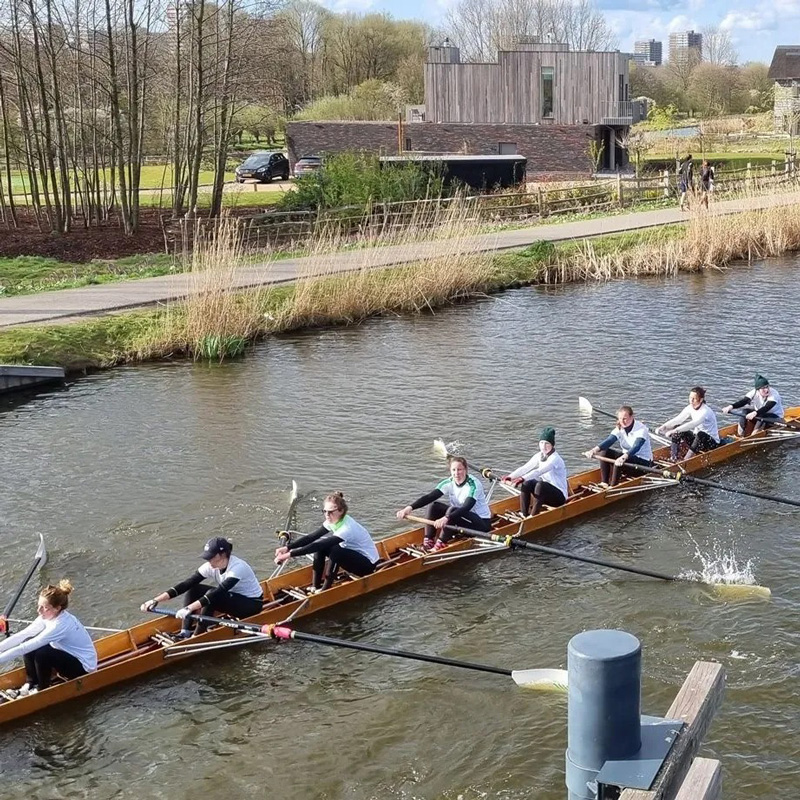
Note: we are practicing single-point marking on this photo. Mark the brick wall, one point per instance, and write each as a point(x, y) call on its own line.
point(550, 149)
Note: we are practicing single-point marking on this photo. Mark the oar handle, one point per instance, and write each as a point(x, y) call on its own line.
point(225, 623)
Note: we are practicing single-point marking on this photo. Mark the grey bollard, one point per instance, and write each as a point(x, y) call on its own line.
point(604, 705)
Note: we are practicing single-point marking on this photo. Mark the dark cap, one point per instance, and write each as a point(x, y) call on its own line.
point(548, 434)
point(760, 382)
point(216, 545)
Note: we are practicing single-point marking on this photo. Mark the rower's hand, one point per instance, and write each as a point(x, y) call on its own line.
point(727, 409)
point(182, 613)
point(148, 605)
point(279, 551)
point(404, 512)
point(621, 460)
point(752, 415)
point(660, 430)
point(440, 523)
point(590, 453)
point(284, 556)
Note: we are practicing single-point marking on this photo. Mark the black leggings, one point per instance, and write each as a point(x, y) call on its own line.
point(697, 442)
point(237, 605)
point(339, 556)
point(748, 426)
point(543, 493)
point(40, 665)
point(612, 471)
point(468, 518)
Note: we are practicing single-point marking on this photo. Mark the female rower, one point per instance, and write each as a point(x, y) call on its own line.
point(54, 642)
point(632, 438)
point(340, 539)
point(464, 502)
point(543, 478)
point(696, 426)
point(235, 588)
point(760, 407)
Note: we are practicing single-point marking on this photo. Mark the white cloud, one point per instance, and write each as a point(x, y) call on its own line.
point(682, 23)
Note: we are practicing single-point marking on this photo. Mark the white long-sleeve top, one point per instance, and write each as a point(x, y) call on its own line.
point(64, 632)
point(552, 470)
point(695, 420)
point(757, 401)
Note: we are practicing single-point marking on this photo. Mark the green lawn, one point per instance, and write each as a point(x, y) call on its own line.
point(29, 274)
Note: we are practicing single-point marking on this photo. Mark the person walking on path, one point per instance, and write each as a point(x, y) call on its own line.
point(686, 181)
point(706, 182)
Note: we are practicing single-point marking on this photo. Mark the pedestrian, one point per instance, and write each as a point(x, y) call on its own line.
point(686, 181)
point(706, 182)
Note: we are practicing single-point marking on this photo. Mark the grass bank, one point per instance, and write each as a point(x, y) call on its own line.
point(218, 323)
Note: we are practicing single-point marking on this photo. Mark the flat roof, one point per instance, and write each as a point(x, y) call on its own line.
point(453, 157)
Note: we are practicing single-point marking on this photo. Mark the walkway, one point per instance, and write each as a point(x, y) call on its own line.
point(68, 304)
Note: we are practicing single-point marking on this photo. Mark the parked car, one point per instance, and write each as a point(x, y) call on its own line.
point(263, 166)
point(307, 164)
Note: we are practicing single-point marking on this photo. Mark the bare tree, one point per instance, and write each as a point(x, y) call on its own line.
point(718, 47)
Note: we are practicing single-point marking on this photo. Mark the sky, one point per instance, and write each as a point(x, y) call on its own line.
point(756, 26)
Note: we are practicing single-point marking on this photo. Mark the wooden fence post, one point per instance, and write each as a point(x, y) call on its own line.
point(542, 202)
point(620, 198)
point(774, 171)
point(666, 182)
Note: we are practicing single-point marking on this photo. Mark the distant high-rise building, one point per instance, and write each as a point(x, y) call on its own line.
point(685, 45)
point(648, 53)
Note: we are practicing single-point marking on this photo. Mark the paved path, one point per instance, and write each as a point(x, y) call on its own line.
point(68, 304)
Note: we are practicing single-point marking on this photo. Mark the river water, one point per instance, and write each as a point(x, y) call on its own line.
point(128, 472)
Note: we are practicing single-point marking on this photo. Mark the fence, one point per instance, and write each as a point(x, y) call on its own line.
point(293, 229)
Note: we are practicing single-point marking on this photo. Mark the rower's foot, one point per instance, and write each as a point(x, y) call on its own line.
point(185, 634)
point(313, 590)
point(440, 545)
point(428, 544)
point(603, 485)
point(24, 691)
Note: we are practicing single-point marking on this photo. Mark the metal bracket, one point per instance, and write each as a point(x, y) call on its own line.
point(481, 549)
point(771, 437)
point(648, 484)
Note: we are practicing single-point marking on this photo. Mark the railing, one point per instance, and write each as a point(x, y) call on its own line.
point(623, 112)
point(292, 230)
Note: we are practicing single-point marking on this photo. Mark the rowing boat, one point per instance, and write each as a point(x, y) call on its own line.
point(145, 647)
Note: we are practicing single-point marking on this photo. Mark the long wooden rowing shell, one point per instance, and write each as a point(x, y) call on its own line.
point(142, 648)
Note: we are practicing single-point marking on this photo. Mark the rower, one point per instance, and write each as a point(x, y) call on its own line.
point(633, 440)
point(543, 478)
point(696, 426)
point(465, 503)
point(758, 409)
point(340, 540)
point(235, 590)
point(55, 641)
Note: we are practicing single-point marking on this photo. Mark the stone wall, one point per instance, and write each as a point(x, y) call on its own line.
point(551, 150)
point(787, 106)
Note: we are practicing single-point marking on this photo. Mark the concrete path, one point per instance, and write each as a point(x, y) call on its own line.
point(68, 304)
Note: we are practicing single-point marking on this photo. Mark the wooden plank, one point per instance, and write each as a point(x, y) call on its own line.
point(703, 781)
point(695, 704)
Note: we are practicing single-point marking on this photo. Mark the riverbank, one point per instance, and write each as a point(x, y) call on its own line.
point(217, 322)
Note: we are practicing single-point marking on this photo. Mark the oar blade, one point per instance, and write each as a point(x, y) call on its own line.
point(294, 493)
point(440, 448)
point(740, 591)
point(585, 406)
point(547, 680)
point(41, 552)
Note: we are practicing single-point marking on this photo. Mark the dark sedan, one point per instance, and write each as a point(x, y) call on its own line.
point(263, 167)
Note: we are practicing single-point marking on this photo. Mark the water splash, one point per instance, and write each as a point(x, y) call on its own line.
point(721, 566)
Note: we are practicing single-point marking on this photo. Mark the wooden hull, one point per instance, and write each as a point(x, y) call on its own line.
point(134, 652)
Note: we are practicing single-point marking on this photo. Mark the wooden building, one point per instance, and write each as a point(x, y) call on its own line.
point(542, 101)
point(784, 71)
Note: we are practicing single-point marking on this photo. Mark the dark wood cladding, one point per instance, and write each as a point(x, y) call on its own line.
point(509, 91)
point(550, 149)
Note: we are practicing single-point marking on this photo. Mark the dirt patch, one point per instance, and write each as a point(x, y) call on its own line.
point(82, 244)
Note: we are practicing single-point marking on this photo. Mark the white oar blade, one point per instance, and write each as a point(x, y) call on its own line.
point(741, 591)
point(41, 552)
point(294, 493)
point(440, 448)
point(552, 680)
point(585, 406)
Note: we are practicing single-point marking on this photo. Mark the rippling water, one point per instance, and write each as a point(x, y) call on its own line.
point(127, 473)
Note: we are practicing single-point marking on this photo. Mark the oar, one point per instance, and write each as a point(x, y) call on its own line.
point(682, 476)
point(88, 627)
point(283, 536)
point(515, 542)
point(792, 425)
point(589, 409)
point(544, 678)
point(440, 447)
point(39, 560)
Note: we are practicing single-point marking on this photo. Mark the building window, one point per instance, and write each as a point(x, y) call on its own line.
point(621, 95)
point(548, 74)
point(507, 148)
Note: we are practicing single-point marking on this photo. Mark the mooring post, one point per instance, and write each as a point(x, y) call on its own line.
point(603, 706)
